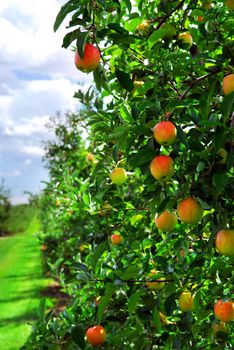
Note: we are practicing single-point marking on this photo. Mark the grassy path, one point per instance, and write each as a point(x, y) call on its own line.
point(20, 283)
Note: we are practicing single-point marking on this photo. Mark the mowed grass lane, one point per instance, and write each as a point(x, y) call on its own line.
point(20, 284)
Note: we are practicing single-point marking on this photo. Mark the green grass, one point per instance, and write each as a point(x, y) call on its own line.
point(21, 280)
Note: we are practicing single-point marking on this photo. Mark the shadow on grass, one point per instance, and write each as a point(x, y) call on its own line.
point(26, 318)
point(25, 277)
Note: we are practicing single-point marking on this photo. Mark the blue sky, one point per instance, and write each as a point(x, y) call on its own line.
point(37, 79)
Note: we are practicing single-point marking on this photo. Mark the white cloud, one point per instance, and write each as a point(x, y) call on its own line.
point(37, 79)
point(33, 150)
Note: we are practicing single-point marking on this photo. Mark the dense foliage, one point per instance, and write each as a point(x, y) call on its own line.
point(4, 208)
point(147, 74)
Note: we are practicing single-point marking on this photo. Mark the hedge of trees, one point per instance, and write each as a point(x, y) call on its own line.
point(148, 74)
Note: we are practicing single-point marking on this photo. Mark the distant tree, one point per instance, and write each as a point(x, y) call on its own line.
point(4, 206)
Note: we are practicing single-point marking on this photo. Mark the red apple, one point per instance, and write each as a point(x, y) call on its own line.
point(162, 168)
point(96, 335)
point(224, 242)
point(166, 221)
point(116, 239)
point(190, 211)
point(224, 310)
point(90, 61)
point(165, 133)
point(228, 84)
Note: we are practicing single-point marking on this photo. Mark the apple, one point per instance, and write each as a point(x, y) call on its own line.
point(90, 157)
point(118, 176)
point(90, 61)
point(116, 238)
point(169, 30)
point(200, 18)
point(186, 301)
point(162, 168)
point(224, 310)
point(224, 242)
point(166, 221)
point(143, 26)
point(186, 38)
point(190, 211)
point(155, 285)
point(43, 247)
point(222, 153)
point(219, 327)
point(228, 84)
point(230, 4)
point(165, 133)
point(105, 209)
point(96, 335)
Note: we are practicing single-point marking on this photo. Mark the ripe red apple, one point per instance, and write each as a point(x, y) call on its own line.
point(190, 211)
point(162, 168)
point(96, 335)
point(186, 301)
point(228, 84)
point(165, 133)
point(224, 310)
point(166, 221)
point(90, 61)
point(224, 242)
point(116, 238)
point(118, 176)
point(186, 38)
point(155, 285)
point(230, 4)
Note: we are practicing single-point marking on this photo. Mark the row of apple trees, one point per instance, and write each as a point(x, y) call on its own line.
point(146, 75)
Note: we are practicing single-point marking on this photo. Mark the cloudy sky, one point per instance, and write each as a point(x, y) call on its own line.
point(37, 79)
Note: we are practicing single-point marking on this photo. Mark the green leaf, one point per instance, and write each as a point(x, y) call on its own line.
point(156, 36)
point(156, 319)
point(220, 181)
point(227, 106)
point(80, 43)
point(126, 115)
point(69, 38)
point(128, 4)
point(124, 79)
point(98, 252)
point(133, 301)
point(130, 273)
point(116, 27)
point(65, 9)
point(86, 198)
point(78, 335)
point(110, 289)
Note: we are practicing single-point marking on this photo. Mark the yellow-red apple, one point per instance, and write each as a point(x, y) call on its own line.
point(157, 285)
point(190, 211)
point(90, 61)
point(116, 238)
point(162, 168)
point(186, 301)
point(166, 221)
point(224, 310)
point(118, 176)
point(224, 242)
point(96, 335)
point(165, 133)
point(186, 38)
point(228, 84)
